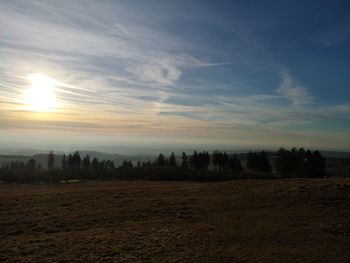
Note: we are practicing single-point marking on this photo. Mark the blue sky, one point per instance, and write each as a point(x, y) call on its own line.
point(239, 74)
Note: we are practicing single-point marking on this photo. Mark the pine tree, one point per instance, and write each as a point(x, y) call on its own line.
point(50, 161)
point(86, 163)
point(161, 160)
point(172, 160)
point(184, 161)
point(64, 164)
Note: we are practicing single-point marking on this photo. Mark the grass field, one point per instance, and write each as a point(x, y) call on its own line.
point(118, 221)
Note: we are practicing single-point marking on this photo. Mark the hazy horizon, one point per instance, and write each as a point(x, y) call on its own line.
point(182, 74)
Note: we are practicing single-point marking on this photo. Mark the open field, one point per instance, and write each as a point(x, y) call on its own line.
point(236, 221)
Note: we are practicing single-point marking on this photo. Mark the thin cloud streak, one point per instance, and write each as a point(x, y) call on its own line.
point(292, 90)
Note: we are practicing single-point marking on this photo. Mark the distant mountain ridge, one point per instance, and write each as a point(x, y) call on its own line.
point(119, 151)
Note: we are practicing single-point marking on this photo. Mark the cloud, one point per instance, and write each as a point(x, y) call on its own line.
point(123, 29)
point(161, 72)
point(166, 71)
point(290, 89)
point(339, 109)
point(332, 37)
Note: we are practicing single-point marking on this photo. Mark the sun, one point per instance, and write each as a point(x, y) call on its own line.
point(40, 96)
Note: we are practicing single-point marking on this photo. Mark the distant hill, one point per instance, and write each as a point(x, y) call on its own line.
point(24, 151)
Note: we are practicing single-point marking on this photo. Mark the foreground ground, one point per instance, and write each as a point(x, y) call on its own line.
point(236, 221)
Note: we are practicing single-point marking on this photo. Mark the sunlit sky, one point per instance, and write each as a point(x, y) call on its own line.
point(229, 74)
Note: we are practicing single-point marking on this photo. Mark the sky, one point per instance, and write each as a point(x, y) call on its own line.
point(217, 74)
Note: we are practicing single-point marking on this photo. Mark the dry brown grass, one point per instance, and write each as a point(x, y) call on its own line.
point(237, 221)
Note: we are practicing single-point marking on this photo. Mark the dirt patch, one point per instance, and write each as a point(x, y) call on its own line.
point(236, 221)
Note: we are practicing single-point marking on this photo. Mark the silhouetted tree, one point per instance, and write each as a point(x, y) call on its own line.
point(264, 163)
point(31, 166)
point(283, 166)
point(301, 162)
point(172, 160)
point(127, 164)
point(102, 165)
point(220, 160)
point(86, 163)
point(161, 160)
point(309, 163)
point(224, 162)
point(252, 161)
point(17, 166)
point(235, 164)
point(194, 160)
point(216, 159)
point(95, 164)
point(146, 164)
point(109, 165)
point(200, 161)
point(318, 165)
point(259, 162)
point(76, 160)
point(50, 161)
point(184, 161)
point(64, 164)
point(70, 162)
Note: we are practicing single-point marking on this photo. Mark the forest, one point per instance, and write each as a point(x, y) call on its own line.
point(294, 163)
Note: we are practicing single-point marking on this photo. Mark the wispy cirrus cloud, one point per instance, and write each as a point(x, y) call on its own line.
point(332, 37)
point(160, 72)
point(290, 89)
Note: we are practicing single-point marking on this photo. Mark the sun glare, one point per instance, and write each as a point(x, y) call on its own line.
point(40, 96)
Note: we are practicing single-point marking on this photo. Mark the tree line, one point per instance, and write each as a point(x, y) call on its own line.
point(197, 166)
point(300, 163)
